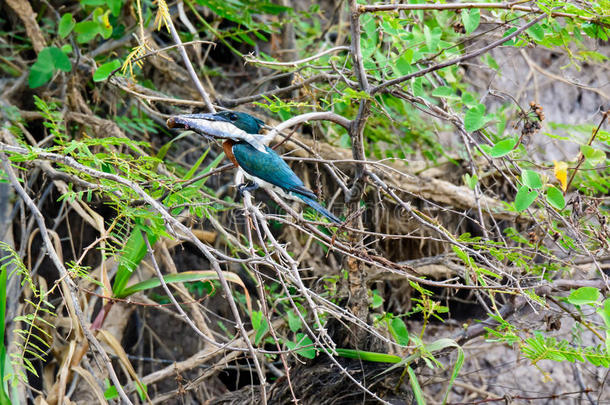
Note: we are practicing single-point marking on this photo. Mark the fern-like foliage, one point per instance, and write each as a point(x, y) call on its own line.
point(53, 118)
point(33, 338)
point(540, 347)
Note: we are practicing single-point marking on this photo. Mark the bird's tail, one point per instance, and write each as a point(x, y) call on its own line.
point(316, 206)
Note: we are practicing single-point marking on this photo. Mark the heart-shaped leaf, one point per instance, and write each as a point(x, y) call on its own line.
point(524, 198)
point(503, 147)
point(555, 197)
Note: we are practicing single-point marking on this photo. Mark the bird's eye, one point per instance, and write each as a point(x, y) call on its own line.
point(233, 117)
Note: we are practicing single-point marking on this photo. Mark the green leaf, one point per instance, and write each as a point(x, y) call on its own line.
point(195, 167)
point(142, 390)
point(471, 181)
point(531, 179)
point(49, 60)
point(60, 59)
point(459, 362)
point(399, 331)
point(40, 74)
point(369, 26)
point(503, 147)
point(246, 39)
point(368, 356)
point(584, 296)
point(105, 70)
point(269, 8)
point(303, 340)
point(182, 277)
point(594, 30)
point(604, 312)
point(115, 6)
point(594, 156)
point(445, 92)
point(471, 19)
point(555, 197)
point(86, 30)
point(524, 198)
point(432, 37)
point(134, 251)
point(111, 392)
point(260, 325)
point(403, 64)
point(4, 269)
point(66, 24)
point(492, 62)
point(294, 322)
point(103, 22)
point(377, 300)
point(469, 100)
point(536, 32)
point(475, 118)
point(417, 86)
point(510, 42)
point(417, 391)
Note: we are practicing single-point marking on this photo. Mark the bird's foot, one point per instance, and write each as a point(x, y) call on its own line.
point(248, 186)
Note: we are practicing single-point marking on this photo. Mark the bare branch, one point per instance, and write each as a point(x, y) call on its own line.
point(295, 63)
point(189, 67)
point(458, 60)
point(513, 6)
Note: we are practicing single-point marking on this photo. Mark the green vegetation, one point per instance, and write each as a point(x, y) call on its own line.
point(475, 200)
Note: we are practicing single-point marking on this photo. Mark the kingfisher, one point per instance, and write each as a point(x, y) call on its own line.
point(244, 147)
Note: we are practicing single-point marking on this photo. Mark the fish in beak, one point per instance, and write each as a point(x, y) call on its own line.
point(214, 126)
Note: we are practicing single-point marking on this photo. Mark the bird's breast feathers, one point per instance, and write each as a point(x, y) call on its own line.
point(227, 146)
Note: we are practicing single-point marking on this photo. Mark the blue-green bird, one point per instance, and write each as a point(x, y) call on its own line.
point(243, 147)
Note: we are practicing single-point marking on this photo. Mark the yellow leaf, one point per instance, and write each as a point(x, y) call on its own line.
point(163, 17)
point(561, 173)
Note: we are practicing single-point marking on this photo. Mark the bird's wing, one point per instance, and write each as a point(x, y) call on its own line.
point(269, 167)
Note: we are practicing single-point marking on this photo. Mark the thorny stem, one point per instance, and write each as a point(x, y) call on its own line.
point(460, 59)
point(460, 6)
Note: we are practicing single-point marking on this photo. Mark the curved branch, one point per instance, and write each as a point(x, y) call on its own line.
point(312, 116)
point(297, 62)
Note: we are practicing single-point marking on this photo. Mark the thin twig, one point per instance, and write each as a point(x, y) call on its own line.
point(460, 6)
point(63, 275)
point(189, 67)
point(581, 158)
point(295, 63)
point(460, 59)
